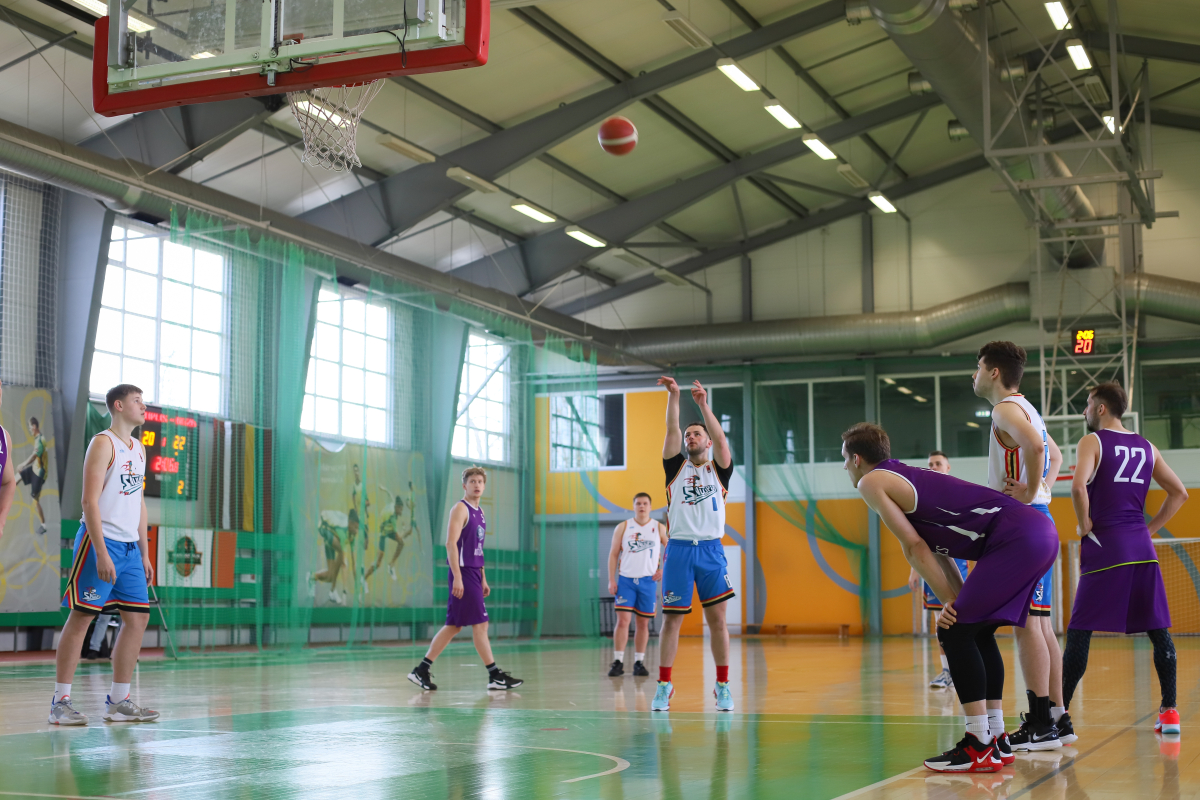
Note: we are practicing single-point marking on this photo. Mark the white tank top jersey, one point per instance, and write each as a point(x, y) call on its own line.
point(121, 497)
point(640, 549)
point(696, 499)
point(1007, 463)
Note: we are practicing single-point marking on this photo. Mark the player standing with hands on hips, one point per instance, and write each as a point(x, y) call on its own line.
point(696, 488)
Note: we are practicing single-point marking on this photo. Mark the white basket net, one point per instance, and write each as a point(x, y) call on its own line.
point(328, 117)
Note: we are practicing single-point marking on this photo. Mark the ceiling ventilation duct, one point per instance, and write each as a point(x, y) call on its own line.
point(946, 53)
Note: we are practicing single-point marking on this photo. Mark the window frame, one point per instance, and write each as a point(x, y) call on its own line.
point(224, 333)
point(462, 414)
point(344, 294)
point(624, 431)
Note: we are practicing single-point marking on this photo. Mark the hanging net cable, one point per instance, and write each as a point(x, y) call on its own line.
point(328, 117)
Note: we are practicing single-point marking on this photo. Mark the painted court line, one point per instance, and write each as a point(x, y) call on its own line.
point(880, 784)
point(63, 796)
point(621, 764)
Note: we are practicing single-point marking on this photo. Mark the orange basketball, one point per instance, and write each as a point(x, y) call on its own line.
point(618, 136)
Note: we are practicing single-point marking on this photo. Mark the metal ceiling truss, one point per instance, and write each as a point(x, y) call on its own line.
point(551, 254)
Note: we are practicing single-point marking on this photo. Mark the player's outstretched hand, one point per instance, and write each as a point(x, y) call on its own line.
point(948, 616)
point(699, 393)
point(672, 386)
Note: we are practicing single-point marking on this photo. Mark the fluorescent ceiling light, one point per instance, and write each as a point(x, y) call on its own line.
point(903, 390)
point(314, 110)
point(919, 399)
point(473, 181)
point(100, 9)
point(981, 413)
point(1110, 123)
point(1078, 54)
point(852, 177)
point(629, 257)
point(580, 235)
point(735, 74)
point(972, 424)
point(776, 110)
point(889, 381)
point(817, 146)
point(670, 277)
point(687, 30)
point(205, 54)
point(406, 149)
point(532, 211)
point(1058, 15)
point(881, 202)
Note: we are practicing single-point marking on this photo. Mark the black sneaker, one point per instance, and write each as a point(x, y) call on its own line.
point(421, 677)
point(1034, 736)
point(970, 755)
point(1066, 731)
point(640, 671)
point(1004, 749)
point(617, 669)
point(502, 680)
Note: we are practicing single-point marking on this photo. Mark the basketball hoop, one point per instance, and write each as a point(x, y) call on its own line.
point(328, 117)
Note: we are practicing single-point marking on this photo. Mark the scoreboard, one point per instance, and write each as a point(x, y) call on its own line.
point(1083, 342)
point(172, 454)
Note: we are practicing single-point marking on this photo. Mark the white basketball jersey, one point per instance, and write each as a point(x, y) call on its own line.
point(640, 548)
point(696, 503)
point(1004, 462)
point(121, 497)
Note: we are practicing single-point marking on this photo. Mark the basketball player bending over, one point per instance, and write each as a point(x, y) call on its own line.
point(1120, 583)
point(696, 487)
point(111, 568)
point(468, 586)
point(937, 518)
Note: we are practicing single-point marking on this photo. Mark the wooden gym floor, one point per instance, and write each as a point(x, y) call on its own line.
point(816, 718)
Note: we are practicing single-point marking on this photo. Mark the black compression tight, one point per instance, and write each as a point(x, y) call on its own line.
point(976, 665)
point(1075, 660)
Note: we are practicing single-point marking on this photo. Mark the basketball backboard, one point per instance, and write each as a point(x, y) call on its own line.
point(160, 53)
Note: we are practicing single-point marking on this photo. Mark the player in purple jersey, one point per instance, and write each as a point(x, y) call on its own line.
point(1120, 584)
point(468, 586)
point(936, 518)
point(8, 476)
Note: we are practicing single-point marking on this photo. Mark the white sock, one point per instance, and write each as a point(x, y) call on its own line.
point(979, 726)
point(61, 690)
point(1056, 713)
point(945, 663)
point(639, 657)
point(118, 692)
point(995, 721)
point(619, 655)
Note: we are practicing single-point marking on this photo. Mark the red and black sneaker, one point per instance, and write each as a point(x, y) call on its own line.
point(970, 755)
point(1004, 750)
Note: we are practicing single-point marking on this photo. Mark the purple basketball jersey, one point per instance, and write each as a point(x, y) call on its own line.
point(470, 541)
point(1117, 503)
point(954, 517)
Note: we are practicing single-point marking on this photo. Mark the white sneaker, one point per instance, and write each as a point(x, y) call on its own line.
point(392, 571)
point(61, 713)
point(127, 711)
point(942, 680)
point(336, 598)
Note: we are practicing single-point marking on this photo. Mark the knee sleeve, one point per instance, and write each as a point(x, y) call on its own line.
point(1075, 659)
point(967, 666)
point(993, 662)
point(1164, 664)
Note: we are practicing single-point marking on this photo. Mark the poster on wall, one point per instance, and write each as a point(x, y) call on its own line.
point(29, 563)
point(368, 520)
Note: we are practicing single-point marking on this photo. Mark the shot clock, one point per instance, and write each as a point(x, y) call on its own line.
point(1084, 341)
point(172, 454)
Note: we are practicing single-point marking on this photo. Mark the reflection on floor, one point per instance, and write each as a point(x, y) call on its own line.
point(816, 718)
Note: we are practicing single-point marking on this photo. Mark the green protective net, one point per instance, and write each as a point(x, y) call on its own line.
point(311, 508)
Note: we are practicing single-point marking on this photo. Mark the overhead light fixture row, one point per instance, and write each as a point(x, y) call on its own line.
point(1058, 15)
point(406, 149)
point(1078, 54)
point(580, 235)
point(471, 180)
point(852, 177)
point(881, 202)
point(819, 147)
point(735, 74)
point(687, 30)
point(776, 110)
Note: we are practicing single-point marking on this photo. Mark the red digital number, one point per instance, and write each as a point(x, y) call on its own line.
point(164, 464)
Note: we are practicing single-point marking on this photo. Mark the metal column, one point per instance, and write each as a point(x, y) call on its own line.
point(750, 556)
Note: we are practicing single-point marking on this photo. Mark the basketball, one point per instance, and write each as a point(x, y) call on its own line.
point(617, 136)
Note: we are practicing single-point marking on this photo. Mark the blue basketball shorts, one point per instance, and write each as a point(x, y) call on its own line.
point(637, 595)
point(699, 564)
point(1043, 593)
point(87, 593)
point(931, 601)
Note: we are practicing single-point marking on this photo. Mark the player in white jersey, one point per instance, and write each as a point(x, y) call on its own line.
point(111, 568)
point(695, 558)
point(1023, 460)
point(637, 546)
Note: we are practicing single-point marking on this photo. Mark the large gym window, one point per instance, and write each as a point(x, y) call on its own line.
point(1171, 407)
point(587, 432)
point(349, 372)
point(481, 430)
point(163, 322)
point(908, 411)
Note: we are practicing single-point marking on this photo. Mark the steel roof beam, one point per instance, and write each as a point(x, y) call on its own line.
point(551, 254)
point(817, 220)
point(416, 193)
